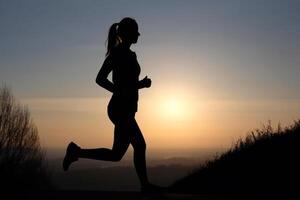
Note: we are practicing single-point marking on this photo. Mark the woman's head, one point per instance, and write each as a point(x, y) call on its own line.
point(126, 31)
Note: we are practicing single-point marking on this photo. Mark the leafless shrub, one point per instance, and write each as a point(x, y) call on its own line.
point(22, 163)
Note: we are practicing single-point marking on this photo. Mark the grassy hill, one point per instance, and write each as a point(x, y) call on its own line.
point(266, 161)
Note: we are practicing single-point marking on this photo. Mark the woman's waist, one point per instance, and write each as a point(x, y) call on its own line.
point(125, 96)
point(123, 103)
point(126, 92)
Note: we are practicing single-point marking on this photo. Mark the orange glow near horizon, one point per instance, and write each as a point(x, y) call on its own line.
point(168, 118)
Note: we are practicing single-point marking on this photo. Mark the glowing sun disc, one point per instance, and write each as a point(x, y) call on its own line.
point(174, 108)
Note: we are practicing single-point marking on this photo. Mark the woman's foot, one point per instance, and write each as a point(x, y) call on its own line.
point(153, 189)
point(71, 155)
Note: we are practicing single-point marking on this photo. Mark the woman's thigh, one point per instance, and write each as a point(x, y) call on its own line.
point(121, 138)
point(127, 131)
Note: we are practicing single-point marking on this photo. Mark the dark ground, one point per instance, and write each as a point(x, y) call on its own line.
point(127, 195)
point(107, 195)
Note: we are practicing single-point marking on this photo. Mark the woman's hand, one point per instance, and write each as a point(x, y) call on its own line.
point(145, 82)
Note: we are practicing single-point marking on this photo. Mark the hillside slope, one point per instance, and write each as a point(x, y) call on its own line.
point(266, 161)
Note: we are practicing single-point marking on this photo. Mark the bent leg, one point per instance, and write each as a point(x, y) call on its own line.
point(139, 146)
point(120, 146)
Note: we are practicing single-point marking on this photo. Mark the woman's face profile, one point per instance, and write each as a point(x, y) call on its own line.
point(135, 34)
point(132, 34)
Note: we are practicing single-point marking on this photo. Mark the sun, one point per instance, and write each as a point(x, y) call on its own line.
point(171, 105)
point(174, 108)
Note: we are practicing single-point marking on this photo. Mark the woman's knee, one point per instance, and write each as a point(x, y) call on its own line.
point(117, 157)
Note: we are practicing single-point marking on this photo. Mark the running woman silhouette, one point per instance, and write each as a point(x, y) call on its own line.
point(123, 105)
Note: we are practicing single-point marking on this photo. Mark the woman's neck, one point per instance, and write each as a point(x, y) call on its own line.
point(126, 45)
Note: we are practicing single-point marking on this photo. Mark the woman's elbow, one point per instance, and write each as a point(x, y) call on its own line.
point(99, 81)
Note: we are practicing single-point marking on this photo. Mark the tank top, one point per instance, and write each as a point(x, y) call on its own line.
point(125, 76)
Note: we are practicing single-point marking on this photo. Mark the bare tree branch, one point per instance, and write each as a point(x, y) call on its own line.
point(20, 151)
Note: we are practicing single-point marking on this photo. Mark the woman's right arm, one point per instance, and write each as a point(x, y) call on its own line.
point(101, 79)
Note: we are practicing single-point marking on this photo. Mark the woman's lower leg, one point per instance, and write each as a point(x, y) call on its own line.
point(140, 166)
point(121, 143)
point(99, 154)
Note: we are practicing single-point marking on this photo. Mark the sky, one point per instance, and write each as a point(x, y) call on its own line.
point(219, 69)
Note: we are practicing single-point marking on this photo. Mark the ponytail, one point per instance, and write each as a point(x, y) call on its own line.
point(113, 38)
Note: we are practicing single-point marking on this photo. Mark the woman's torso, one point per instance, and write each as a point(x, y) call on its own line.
point(125, 76)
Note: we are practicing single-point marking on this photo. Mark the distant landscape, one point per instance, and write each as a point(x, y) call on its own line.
point(164, 167)
point(266, 161)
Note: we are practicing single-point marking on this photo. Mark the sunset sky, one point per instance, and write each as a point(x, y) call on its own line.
point(219, 69)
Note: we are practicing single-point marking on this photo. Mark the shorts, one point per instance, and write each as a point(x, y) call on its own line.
point(119, 110)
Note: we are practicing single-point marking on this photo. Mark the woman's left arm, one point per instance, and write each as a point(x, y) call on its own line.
point(101, 78)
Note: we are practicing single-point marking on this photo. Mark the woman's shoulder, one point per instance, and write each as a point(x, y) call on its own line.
point(117, 50)
point(121, 51)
